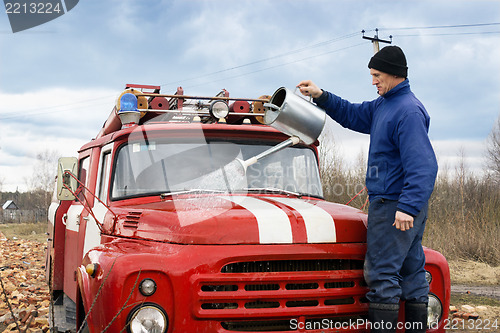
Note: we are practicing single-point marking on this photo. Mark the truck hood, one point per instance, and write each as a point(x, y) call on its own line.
point(241, 220)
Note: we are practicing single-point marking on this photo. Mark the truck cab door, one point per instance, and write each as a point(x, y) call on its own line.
point(90, 228)
point(73, 218)
point(54, 264)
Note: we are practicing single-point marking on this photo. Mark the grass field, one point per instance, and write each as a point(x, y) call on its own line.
point(31, 231)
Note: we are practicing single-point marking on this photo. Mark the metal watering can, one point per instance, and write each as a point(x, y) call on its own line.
point(293, 115)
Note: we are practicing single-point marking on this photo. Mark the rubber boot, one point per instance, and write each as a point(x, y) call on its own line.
point(383, 317)
point(416, 314)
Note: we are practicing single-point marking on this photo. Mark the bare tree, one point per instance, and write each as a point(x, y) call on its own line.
point(44, 171)
point(41, 183)
point(493, 151)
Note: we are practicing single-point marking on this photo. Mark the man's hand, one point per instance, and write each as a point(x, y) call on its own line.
point(403, 221)
point(308, 88)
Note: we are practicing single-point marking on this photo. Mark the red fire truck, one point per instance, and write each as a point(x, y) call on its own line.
point(161, 225)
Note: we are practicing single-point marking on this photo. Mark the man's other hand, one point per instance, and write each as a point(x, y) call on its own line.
point(403, 221)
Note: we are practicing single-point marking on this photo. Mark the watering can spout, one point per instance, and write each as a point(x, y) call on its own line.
point(271, 107)
point(252, 160)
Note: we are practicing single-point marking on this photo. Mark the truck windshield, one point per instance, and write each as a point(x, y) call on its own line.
point(155, 167)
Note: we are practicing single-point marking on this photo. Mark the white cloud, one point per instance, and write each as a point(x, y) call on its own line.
point(52, 119)
point(451, 153)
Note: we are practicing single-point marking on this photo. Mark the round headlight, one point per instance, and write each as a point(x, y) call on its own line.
point(148, 319)
point(434, 311)
point(428, 277)
point(219, 109)
point(147, 287)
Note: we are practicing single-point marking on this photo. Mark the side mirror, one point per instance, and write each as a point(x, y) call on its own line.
point(66, 165)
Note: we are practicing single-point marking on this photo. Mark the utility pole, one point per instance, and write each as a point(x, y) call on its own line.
point(375, 40)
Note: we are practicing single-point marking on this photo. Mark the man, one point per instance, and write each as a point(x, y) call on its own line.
point(400, 178)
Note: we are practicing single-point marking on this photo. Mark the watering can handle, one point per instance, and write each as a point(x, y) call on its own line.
point(310, 97)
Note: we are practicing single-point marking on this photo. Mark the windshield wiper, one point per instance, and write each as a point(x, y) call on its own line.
point(191, 191)
point(273, 190)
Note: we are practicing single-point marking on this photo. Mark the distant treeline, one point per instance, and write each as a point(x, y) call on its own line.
point(32, 206)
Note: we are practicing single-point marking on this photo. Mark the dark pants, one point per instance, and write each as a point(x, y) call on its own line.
point(394, 262)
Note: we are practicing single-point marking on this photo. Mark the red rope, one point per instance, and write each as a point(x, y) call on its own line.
point(364, 205)
point(354, 197)
point(87, 205)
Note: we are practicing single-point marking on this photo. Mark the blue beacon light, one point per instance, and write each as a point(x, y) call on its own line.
point(128, 102)
point(128, 113)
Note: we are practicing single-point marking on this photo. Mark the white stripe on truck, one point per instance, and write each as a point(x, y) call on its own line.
point(319, 223)
point(273, 223)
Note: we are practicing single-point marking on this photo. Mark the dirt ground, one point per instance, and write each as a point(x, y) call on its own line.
point(22, 283)
point(466, 272)
point(475, 290)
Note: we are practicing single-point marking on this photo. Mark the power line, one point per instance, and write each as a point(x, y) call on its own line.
point(77, 105)
point(37, 111)
point(452, 34)
point(442, 26)
point(279, 65)
point(337, 39)
point(32, 112)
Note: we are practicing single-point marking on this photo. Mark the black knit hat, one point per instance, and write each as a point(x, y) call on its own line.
point(390, 60)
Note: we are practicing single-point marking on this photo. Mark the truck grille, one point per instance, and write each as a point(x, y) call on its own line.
point(292, 266)
point(257, 296)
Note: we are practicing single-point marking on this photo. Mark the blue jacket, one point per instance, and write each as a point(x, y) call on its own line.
point(401, 162)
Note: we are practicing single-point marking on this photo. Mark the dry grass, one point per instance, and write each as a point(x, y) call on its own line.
point(464, 219)
point(29, 231)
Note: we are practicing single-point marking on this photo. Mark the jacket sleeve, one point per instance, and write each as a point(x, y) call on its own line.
point(418, 161)
point(357, 117)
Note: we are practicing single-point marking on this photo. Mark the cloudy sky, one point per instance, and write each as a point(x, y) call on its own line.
point(59, 81)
